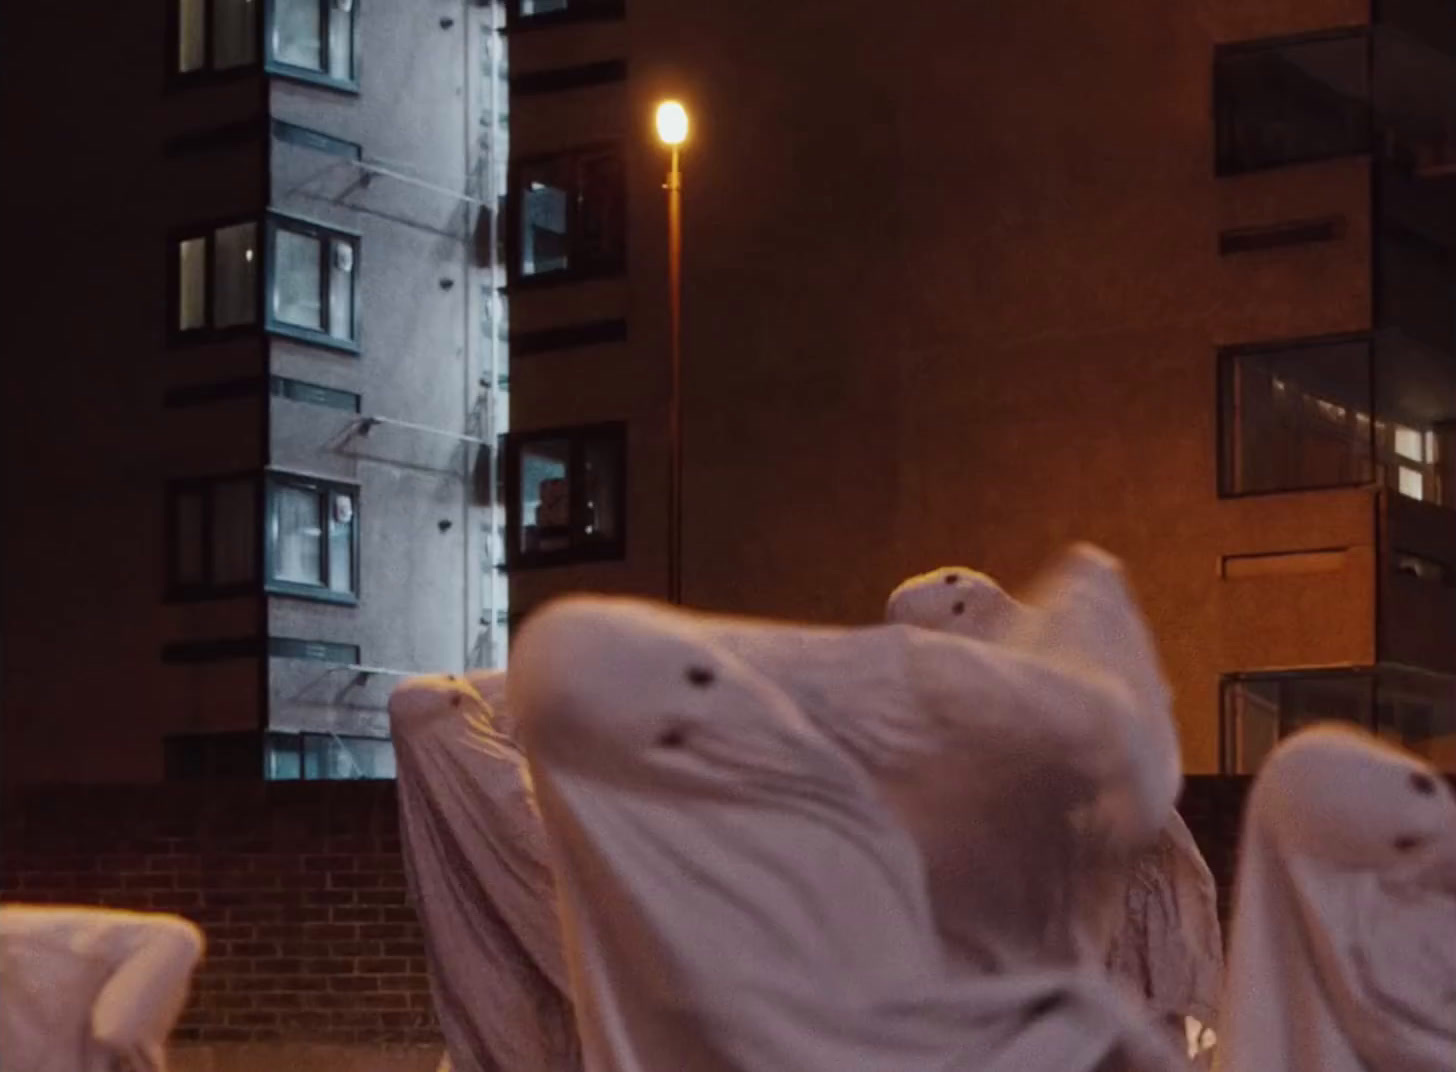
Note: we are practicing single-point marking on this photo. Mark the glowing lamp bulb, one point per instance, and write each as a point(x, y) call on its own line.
point(672, 123)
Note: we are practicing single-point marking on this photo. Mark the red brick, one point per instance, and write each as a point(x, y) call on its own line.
point(386, 931)
point(337, 862)
point(347, 984)
point(382, 966)
point(349, 914)
point(353, 881)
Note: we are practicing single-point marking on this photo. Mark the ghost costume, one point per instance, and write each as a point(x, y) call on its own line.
point(1027, 770)
point(1343, 956)
point(1162, 934)
point(84, 989)
point(479, 874)
point(734, 895)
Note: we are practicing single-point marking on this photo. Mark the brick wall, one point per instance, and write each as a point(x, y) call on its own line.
point(301, 890)
point(299, 887)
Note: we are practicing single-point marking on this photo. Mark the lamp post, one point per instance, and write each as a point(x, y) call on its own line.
point(672, 129)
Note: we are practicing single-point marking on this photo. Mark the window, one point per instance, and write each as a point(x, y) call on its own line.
point(1413, 708)
point(568, 215)
point(313, 538)
point(214, 35)
point(565, 495)
point(1296, 417)
point(312, 289)
point(211, 537)
point(1291, 101)
point(327, 756)
point(523, 14)
point(314, 40)
point(215, 279)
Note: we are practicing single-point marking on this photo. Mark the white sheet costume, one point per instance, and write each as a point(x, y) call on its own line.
point(476, 858)
point(1162, 937)
point(1344, 930)
point(735, 897)
point(1028, 770)
point(90, 989)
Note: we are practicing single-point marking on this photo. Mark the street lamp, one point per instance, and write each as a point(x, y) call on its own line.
point(672, 129)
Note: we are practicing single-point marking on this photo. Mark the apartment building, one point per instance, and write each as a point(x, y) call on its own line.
point(258, 452)
point(965, 282)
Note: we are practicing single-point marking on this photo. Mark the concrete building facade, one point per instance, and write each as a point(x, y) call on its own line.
point(268, 480)
point(966, 282)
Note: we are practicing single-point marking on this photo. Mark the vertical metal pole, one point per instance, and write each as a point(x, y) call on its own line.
point(674, 419)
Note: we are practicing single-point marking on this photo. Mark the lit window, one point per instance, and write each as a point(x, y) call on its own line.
point(215, 35)
point(565, 495)
point(313, 286)
point(1412, 483)
point(313, 538)
point(568, 215)
point(1293, 100)
point(211, 536)
point(314, 39)
point(216, 278)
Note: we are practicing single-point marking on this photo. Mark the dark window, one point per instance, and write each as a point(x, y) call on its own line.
point(314, 40)
point(215, 274)
point(312, 291)
point(212, 537)
point(568, 215)
point(1292, 101)
point(316, 140)
point(327, 756)
point(525, 14)
point(214, 35)
point(1413, 708)
point(1296, 417)
point(314, 394)
point(313, 538)
point(565, 495)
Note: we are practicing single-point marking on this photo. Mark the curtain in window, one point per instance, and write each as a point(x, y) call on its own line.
point(298, 536)
point(296, 274)
point(298, 33)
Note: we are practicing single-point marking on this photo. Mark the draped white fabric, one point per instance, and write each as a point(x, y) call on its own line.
point(480, 877)
point(1343, 956)
point(1158, 914)
point(735, 896)
point(83, 989)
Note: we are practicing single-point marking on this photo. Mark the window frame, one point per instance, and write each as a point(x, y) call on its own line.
point(1230, 355)
point(179, 591)
point(1224, 166)
point(578, 436)
point(207, 73)
point(326, 233)
point(581, 11)
point(1228, 744)
point(207, 230)
point(572, 157)
point(294, 73)
point(322, 487)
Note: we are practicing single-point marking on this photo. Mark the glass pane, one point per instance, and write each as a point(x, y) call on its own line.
point(297, 33)
point(192, 284)
point(545, 243)
point(296, 278)
point(341, 542)
point(1297, 418)
point(601, 210)
point(284, 758)
point(545, 496)
point(191, 28)
point(297, 535)
point(326, 756)
point(341, 288)
point(601, 486)
point(233, 33)
point(1263, 711)
point(341, 43)
point(187, 538)
point(234, 529)
point(1417, 710)
point(1292, 102)
point(541, 7)
point(234, 275)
